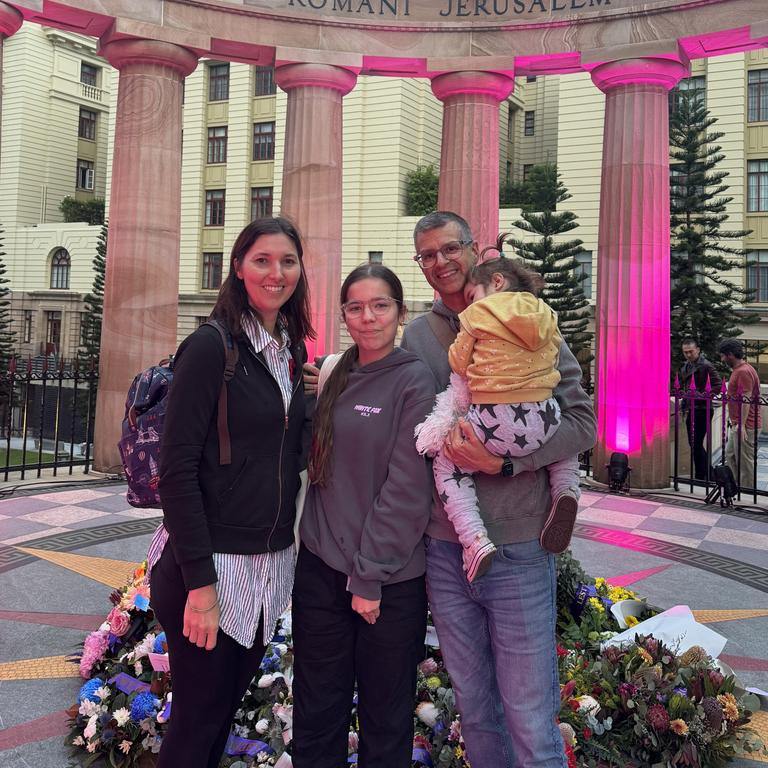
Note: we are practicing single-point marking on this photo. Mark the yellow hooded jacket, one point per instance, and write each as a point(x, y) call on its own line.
point(507, 349)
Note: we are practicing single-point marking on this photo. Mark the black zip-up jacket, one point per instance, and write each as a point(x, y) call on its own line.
point(701, 369)
point(248, 506)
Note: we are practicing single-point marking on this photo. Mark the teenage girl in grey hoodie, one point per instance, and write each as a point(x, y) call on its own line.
point(359, 600)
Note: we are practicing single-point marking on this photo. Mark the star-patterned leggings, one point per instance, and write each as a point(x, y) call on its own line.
point(509, 430)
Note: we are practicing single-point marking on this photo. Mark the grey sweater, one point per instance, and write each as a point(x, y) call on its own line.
point(513, 508)
point(368, 522)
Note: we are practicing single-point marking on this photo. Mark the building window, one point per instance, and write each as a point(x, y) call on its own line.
point(218, 82)
point(214, 208)
point(375, 257)
point(263, 141)
point(261, 203)
point(757, 95)
point(60, 264)
point(527, 171)
point(530, 78)
point(757, 185)
point(757, 276)
point(217, 144)
point(584, 269)
point(53, 332)
point(89, 75)
point(530, 122)
point(27, 333)
point(87, 125)
point(508, 172)
point(265, 81)
point(85, 175)
point(696, 86)
point(212, 271)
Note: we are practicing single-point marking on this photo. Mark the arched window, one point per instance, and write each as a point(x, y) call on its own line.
point(60, 269)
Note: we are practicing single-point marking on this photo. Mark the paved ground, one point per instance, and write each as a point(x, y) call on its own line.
point(61, 550)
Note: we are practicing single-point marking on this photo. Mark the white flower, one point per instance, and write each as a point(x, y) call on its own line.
point(588, 704)
point(122, 716)
point(104, 627)
point(281, 648)
point(103, 692)
point(241, 731)
point(138, 668)
point(262, 726)
point(428, 713)
point(265, 681)
point(90, 729)
point(78, 741)
point(262, 757)
point(88, 708)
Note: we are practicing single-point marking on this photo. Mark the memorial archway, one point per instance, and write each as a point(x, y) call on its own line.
point(635, 50)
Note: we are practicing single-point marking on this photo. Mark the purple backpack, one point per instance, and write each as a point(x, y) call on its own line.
point(142, 432)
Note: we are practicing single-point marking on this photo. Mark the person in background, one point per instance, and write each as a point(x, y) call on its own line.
point(222, 562)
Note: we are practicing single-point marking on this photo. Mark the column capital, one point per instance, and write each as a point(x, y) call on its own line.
point(666, 73)
point(330, 76)
point(123, 53)
point(493, 84)
point(10, 20)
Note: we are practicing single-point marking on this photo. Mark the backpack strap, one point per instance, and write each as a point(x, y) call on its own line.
point(325, 371)
point(441, 330)
point(231, 356)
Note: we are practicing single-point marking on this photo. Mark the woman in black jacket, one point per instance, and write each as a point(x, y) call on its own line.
point(222, 562)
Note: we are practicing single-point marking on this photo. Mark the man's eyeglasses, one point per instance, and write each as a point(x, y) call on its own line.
point(450, 252)
point(379, 306)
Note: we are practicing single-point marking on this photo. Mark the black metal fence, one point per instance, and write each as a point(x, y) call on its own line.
point(47, 410)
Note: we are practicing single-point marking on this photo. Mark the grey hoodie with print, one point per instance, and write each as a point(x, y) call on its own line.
point(369, 520)
point(513, 508)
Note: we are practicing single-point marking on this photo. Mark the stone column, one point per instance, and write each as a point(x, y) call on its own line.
point(469, 155)
point(312, 183)
point(10, 21)
point(632, 311)
point(142, 278)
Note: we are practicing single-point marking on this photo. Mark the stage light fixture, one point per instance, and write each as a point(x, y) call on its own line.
point(618, 472)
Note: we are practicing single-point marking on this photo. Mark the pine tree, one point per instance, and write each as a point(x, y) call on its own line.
point(90, 338)
point(702, 297)
point(556, 261)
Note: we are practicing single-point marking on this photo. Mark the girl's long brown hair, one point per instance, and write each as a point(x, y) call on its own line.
point(232, 301)
point(320, 457)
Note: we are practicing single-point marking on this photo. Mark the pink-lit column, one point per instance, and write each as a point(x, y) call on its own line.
point(142, 279)
point(10, 21)
point(469, 155)
point(312, 184)
point(632, 312)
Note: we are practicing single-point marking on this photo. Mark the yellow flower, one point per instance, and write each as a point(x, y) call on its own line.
point(645, 656)
point(597, 604)
point(730, 708)
point(599, 582)
point(679, 727)
point(631, 620)
point(433, 683)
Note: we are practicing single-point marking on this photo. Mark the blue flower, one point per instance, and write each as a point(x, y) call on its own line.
point(141, 602)
point(144, 705)
point(107, 736)
point(681, 692)
point(88, 691)
point(159, 640)
point(270, 663)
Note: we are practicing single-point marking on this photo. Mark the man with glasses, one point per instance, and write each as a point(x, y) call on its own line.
point(498, 633)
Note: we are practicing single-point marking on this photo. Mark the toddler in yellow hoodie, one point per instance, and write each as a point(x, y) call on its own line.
point(504, 363)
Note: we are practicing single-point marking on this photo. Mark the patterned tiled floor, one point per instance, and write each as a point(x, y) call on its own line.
point(61, 551)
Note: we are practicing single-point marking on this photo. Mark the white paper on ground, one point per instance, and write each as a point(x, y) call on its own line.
point(677, 628)
point(624, 608)
point(431, 638)
point(284, 761)
point(159, 662)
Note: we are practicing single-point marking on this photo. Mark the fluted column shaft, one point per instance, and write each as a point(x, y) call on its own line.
point(10, 21)
point(469, 155)
point(632, 312)
point(142, 276)
point(312, 184)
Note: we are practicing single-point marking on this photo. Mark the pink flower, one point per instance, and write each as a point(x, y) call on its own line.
point(428, 667)
point(119, 622)
point(94, 648)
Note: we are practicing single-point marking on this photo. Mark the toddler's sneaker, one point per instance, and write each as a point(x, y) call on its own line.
point(557, 531)
point(478, 557)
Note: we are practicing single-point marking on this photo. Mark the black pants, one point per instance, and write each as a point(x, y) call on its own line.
point(697, 437)
point(207, 685)
point(334, 647)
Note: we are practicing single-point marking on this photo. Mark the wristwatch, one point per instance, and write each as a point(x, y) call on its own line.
point(507, 468)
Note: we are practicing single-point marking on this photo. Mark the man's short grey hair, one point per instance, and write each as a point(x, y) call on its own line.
point(439, 219)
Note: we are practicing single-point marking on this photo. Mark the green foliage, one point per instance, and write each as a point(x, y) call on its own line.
point(88, 211)
point(702, 297)
point(421, 191)
point(90, 333)
point(513, 195)
point(537, 193)
point(556, 261)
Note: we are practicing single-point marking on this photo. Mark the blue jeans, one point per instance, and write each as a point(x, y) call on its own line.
point(497, 636)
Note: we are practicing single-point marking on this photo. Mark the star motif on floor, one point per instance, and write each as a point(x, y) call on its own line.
point(549, 417)
point(520, 413)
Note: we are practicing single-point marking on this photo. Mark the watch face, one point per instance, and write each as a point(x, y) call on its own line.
point(507, 469)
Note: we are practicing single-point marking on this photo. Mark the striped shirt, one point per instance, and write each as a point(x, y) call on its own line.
point(251, 584)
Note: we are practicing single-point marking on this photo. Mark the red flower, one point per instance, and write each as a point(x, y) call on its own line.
point(561, 651)
point(596, 691)
point(571, 755)
point(567, 690)
point(587, 733)
point(574, 705)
